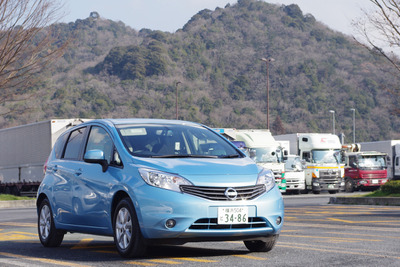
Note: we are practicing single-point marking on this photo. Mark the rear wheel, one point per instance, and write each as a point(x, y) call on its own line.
point(48, 234)
point(127, 235)
point(261, 246)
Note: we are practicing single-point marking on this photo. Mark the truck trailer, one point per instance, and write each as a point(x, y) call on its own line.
point(392, 149)
point(24, 150)
point(321, 154)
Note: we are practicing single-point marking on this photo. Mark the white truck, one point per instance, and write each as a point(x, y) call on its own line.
point(321, 154)
point(23, 152)
point(294, 174)
point(263, 149)
point(392, 149)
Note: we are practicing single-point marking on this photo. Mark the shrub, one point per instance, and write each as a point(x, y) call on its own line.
point(391, 187)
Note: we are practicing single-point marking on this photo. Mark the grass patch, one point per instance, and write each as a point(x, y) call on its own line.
point(379, 193)
point(5, 197)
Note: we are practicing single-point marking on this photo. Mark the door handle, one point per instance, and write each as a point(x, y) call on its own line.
point(78, 172)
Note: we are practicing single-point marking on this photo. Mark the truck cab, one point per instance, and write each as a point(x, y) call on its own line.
point(365, 170)
point(294, 174)
point(324, 168)
point(265, 151)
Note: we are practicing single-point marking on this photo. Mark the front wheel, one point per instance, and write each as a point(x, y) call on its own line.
point(48, 234)
point(349, 186)
point(127, 235)
point(261, 246)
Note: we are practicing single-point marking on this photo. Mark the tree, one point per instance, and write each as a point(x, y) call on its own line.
point(381, 28)
point(27, 45)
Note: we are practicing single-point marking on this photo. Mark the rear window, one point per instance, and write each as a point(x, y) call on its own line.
point(59, 146)
point(74, 144)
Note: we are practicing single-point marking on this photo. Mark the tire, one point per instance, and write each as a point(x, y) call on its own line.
point(261, 246)
point(348, 185)
point(48, 234)
point(127, 235)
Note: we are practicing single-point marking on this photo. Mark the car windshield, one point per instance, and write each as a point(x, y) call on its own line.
point(175, 141)
point(372, 162)
point(326, 156)
point(264, 155)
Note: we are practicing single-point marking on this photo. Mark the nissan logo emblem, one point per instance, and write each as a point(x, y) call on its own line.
point(231, 193)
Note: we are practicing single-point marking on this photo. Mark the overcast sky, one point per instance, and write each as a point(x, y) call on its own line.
point(171, 15)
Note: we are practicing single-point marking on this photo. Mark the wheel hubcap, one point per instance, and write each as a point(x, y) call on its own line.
point(45, 222)
point(123, 228)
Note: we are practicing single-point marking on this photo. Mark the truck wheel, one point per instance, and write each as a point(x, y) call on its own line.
point(48, 234)
point(127, 235)
point(261, 246)
point(349, 186)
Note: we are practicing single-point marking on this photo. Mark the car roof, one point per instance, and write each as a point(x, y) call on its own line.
point(123, 121)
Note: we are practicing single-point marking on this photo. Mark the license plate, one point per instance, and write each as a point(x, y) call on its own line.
point(375, 181)
point(232, 215)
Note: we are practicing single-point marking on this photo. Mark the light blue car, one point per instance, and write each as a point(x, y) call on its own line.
point(146, 181)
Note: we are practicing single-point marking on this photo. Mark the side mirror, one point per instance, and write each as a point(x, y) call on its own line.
point(96, 156)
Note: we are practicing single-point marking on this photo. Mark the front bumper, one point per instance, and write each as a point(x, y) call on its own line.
point(196, 218)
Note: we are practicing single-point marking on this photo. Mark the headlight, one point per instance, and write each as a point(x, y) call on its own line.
point(163, 179)
point(266, 177)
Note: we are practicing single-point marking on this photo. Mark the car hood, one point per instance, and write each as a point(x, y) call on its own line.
point(207, 172)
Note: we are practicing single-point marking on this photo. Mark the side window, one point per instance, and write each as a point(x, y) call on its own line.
point(74, 144)
point(100, 140)
point(59, 146)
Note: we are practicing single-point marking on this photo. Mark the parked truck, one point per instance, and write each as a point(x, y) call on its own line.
point(392, 149)
point(321, 154)
point(263, 149)
point(294, 174)
point(365, 170)
point(23, 152)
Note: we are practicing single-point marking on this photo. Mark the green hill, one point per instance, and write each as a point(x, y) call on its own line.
point(112, 70)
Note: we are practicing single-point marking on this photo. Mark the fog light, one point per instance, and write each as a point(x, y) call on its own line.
point(278, 220)
point(170, 223)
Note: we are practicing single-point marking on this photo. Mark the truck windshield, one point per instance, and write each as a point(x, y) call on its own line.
point(293, 163)
point(265, 155)
point(326, 156)
point(372, 162)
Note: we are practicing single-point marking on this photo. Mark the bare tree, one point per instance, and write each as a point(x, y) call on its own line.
point(27, 45)
point(380, 30)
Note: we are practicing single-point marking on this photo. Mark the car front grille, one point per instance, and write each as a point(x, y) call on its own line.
point(211, 224)
point(218, 193)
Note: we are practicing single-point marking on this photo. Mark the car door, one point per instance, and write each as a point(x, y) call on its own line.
point(91, 196)
point(63, 171)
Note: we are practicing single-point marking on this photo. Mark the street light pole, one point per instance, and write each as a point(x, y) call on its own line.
point(267, 61)
point(176, 99)
point(333, 120)
point(354, 125)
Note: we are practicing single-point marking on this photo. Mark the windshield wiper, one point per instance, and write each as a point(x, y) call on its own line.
point(184, 156)
point(230, 156)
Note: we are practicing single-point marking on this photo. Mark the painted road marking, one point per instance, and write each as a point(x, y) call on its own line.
point(15, 235)
point(48, 261)
point(194, 260)
point(337, 251)
point(251, 257)
point(140, 263)
point(83, 244)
